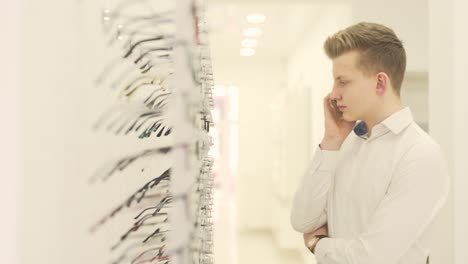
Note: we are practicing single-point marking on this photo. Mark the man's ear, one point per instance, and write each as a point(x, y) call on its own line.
point(382, 83)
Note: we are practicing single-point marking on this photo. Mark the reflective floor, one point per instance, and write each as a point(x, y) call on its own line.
point(233, 246)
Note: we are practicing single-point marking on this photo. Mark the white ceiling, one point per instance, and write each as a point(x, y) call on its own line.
point(288, 20)
point(286, 23)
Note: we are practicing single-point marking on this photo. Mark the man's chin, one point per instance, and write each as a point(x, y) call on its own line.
point(348, 118)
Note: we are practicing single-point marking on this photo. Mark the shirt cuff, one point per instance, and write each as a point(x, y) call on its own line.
point(322, 248)
point(328, 159)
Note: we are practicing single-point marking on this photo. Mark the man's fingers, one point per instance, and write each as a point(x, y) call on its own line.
point(308, 236)
point(330, 111)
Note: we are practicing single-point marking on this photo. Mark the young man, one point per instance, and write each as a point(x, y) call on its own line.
point(375, 185)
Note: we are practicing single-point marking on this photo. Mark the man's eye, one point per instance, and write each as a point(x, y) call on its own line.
point(342, 83)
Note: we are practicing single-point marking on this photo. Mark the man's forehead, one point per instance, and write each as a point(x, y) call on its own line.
point(342, 72)
point(343, 68)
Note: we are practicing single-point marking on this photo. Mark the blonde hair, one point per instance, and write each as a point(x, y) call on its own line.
point(379, 47)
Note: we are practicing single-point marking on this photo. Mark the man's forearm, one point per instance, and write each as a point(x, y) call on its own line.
point(309, 205)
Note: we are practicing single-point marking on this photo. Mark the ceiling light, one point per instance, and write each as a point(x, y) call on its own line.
point(252, 32)
point(249, 43)
point(246, 52)
point(256, 18)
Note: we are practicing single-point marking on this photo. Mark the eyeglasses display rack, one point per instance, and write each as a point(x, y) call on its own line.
point(159, 70)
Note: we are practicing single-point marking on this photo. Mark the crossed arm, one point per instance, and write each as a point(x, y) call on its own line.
point(416, 194)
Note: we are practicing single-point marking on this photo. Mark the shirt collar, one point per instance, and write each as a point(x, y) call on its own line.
point(395, 123)
point(399, 120)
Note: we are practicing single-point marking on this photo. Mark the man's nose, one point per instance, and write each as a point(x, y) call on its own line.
point(335, 95)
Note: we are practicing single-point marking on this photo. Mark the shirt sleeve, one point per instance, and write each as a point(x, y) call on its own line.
point(310, 200)
point(417, 192)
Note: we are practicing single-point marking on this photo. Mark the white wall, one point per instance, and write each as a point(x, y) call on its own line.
point(414, 93)
point(448, 114)
point(10, 134)
point(441, 115)
point(460, 126)
point(49, 64)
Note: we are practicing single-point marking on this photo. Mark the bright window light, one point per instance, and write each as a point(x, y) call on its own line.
point(246, 52)
point(249, 43)
point(219, 90)
point(256, 18)
point(252, 32)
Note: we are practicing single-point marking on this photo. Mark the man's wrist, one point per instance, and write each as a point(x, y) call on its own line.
point(330, 144)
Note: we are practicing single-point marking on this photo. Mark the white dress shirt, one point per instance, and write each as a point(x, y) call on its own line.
point(379, 195)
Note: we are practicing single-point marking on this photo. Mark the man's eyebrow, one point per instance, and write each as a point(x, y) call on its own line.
point(339, 77)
